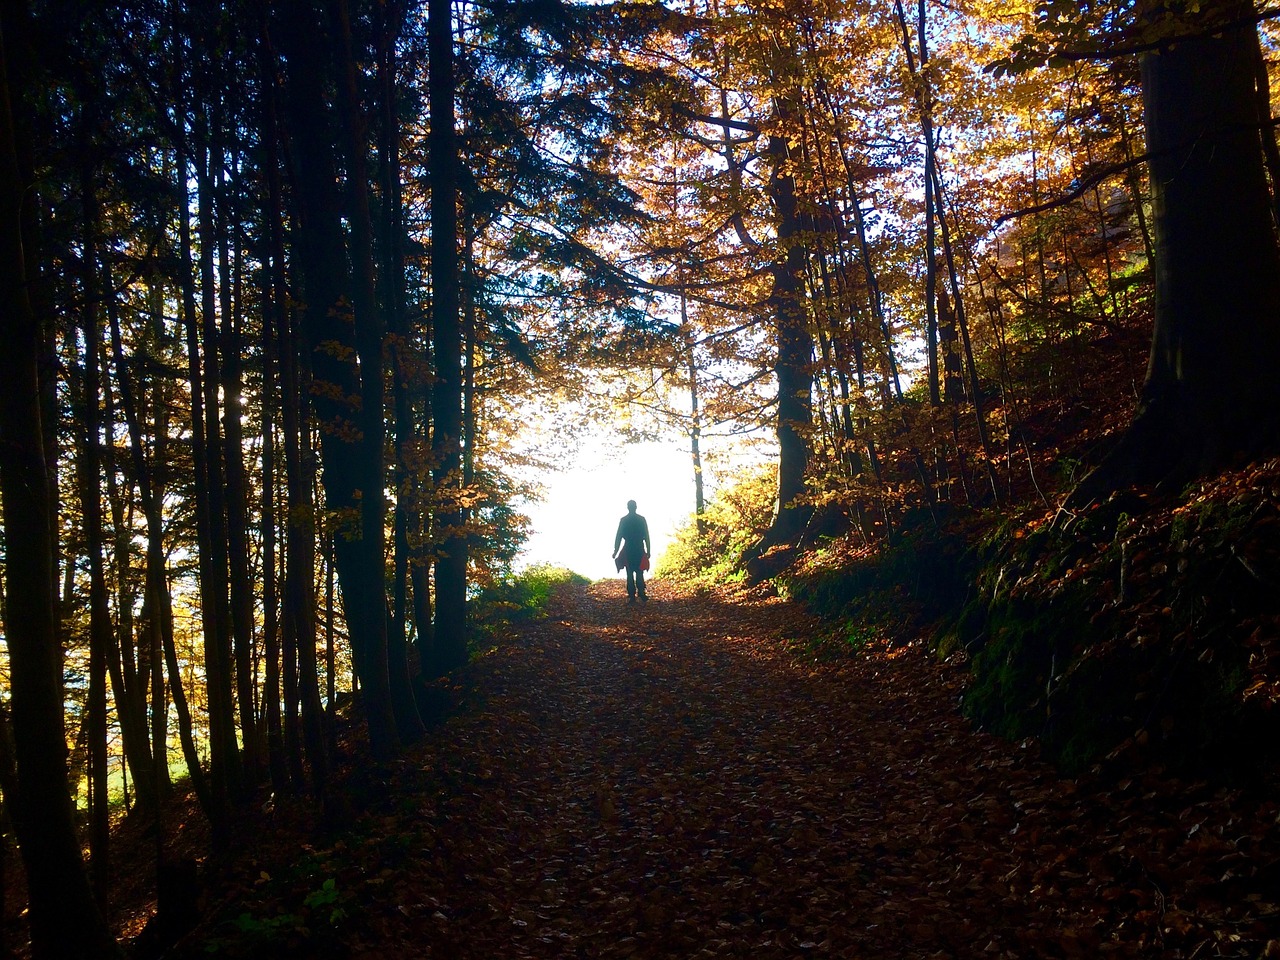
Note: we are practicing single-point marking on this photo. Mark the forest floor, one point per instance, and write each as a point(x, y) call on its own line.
point(684, 779)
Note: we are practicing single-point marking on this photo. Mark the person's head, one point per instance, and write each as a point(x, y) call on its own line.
point(631, 506)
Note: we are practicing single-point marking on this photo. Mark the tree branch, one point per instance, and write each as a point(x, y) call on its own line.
point(1088, 183)
point(742, 125)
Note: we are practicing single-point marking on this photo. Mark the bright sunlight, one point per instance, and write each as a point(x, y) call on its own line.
point(573, 526)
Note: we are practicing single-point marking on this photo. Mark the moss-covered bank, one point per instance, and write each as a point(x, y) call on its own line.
point(1143, 628)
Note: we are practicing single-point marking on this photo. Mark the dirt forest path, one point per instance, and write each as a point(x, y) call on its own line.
point(675, 780)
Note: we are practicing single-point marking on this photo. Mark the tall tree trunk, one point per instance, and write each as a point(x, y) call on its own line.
point(343, 388)
point(400, 351)
point(211, 490)
point(794, 358)
point(962, 322)
point(128, 685)
point(275, 323)
point(65, 921)
point(1211, 393)
point(449, 648)
point(151, 772)
point(211, 799)
point(298, 626)
point(924, 104)
point(695, 420)
point(230, 345)
point(390, 654)
point(101, 630)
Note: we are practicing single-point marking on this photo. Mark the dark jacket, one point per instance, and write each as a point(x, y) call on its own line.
point(634, 530)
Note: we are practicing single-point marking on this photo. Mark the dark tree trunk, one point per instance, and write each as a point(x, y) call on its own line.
point(211, 492)
point(214, 806)
point(1211, 395)
point(237, 494)
point(794, 364)
point(449, 647)
point(101, 629)
point(924, 104)
point(407, 439)
point(274, 324)
point(338, 351)
point(389, 655)
point(299, 622)
point(148, 760)
point(65, 921)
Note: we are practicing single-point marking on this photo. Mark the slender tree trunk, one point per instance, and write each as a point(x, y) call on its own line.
point(924, 104)
point(695, 420)
point(151, 772)
point(215, 586)
point(230, 344)
point(449, 647)
point(346, 365)
point(1134, 183)
point(100, 627)
point(962, 322)
point(400, 348)
point(300, 545)
point(128, 687)
point(212, 800)
point(390, 654)
point(275, 341)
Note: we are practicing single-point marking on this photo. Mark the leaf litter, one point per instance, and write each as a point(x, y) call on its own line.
point(679, 780)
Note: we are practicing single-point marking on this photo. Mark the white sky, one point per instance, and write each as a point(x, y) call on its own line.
point(575, 523)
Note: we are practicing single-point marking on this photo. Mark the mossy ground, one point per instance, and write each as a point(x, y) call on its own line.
point(1148, 623)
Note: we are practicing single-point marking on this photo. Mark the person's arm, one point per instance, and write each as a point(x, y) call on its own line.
point(647, 548)
point(617, 539)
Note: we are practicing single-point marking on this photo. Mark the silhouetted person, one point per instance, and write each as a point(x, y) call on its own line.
point(633, 537)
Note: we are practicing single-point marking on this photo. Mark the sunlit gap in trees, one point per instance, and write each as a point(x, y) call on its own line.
point(584, 496)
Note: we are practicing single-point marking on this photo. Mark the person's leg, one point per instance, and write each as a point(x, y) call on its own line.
point(640, 585)
point(631, 582)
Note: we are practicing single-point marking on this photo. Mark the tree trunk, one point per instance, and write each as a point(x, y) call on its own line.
point(230, 345)
point(90, 477)
point(151, 772)
point(343, 389)
point(211, 802)
point(211, 491)
point(65, 921)
point(695, 420)
point(400, 351)
point(388, 655)
point(449, 648)
point(275, 323)
point(794, 359)
point(1211, 394)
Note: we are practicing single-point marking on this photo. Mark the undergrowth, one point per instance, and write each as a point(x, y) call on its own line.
point(516, 598)
point(734, 521)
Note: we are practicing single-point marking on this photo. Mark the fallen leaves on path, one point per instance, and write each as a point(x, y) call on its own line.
point(673, 780)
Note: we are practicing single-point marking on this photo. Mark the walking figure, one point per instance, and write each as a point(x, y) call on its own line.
point(633, 537)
